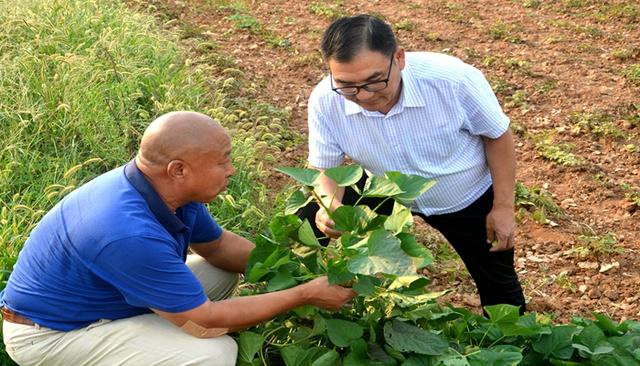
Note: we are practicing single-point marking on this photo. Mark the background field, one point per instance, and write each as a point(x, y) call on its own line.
point(79, 81)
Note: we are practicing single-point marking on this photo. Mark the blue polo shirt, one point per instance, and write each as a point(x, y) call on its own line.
point(111, 249)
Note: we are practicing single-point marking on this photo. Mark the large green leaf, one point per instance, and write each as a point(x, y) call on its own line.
point(350, 218)
point(412, 186)
point(558, 343)
point(400, 219)
point(410, 246)
point(296, 201)
point(248, 345)
point(342, 332)
point(501, 357)
point(282, 280)
point(298, 356)
point(384, 255)
point(307, 236)
point(503, 313)
point(409, 338)
point(331, 358)
point(526, 326)
point(345, 175)
point(380, 187)
point(591, 341)
point(338, 273)
point(283, 227)
point(306, 177)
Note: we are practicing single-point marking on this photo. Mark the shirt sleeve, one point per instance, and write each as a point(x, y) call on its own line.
point(205, 227)
point(484, 116)
point(324, 151)
point(149, 273)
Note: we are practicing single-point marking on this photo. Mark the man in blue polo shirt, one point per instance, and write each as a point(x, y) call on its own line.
point(102, 279)
point(426, 114)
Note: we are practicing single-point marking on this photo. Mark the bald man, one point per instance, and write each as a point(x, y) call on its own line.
point(105, 277)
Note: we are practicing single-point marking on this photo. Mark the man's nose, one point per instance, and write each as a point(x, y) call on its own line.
point(364, 95)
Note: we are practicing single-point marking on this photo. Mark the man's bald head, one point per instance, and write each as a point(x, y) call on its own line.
point(180, 135)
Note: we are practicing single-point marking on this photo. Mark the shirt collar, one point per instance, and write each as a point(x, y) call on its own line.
point(157, 206)
point(410, 97)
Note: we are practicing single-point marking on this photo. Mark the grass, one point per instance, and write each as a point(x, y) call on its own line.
point(79, 82)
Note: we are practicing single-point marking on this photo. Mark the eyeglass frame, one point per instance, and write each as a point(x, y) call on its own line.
point(363, 86)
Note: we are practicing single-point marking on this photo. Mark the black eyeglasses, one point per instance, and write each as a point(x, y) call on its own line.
point(374, 86)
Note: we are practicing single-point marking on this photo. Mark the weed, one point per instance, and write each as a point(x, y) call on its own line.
point(405, 25)
point(546, 86)
point(329, 9)
point(592, 244)
point(598, 123)
point(517, 100)
point(632, 74)
point(558, 153)
point(501, 30)
point(565, 282)
point(538, 202)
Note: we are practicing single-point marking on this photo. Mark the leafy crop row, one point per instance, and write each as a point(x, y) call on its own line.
point(394, 320)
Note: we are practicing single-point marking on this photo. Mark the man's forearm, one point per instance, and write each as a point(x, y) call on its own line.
point(501, 158)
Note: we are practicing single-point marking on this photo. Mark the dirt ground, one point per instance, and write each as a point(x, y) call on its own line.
point(561, 72)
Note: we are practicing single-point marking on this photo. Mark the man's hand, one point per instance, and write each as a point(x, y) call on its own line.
point(501, 225)
point(326, 225)
point(318, 292)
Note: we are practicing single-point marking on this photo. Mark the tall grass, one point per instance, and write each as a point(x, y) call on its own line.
point(79, 82)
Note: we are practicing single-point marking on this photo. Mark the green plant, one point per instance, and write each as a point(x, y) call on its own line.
point(559, 153)
point(394, 321)
point(538, 202)
point(592, 244)
point(597, 123)
point(330, 10)
point(632, 74)
point(506, 32)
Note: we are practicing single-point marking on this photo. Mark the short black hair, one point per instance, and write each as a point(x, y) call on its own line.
point(347, 36)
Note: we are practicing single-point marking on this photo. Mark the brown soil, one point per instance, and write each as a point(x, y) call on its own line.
point(548, 63)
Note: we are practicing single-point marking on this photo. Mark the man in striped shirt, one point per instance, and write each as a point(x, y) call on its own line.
point(426, 114)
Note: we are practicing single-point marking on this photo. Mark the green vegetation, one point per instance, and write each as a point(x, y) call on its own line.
point(508, 32)
point(538, 202)
point(597, 123)
point(80, 82)
point(632, 74)
point(328, 9)
point(559, 153)
point(393, 320)
point(593, 244)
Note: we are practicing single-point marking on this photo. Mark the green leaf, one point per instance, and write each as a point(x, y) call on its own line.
point(383, 255)
point(380, 187)
point(345, 175)
point(591, 341)
point(558, 343)
point(296, 201)
point(284, 227)
point(412, 186)
point(365, 286)
point(307, 236)
point(607, 325)
point(350, 218)
point(342, 332)
point(503, 313)
point(409, 338)
point(257, 271)
point(306, 177)
point(298, 356)
point(410, 246)
point(399, 219)
point(406, 281)
point(338, 273)
point(328, 359)
point(358, 354)
point(249, 344)
point(487, 357)
point(282, 280)
point(526, 326)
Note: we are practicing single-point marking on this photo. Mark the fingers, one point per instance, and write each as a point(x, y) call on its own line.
point(503, 242)
point(326, 225)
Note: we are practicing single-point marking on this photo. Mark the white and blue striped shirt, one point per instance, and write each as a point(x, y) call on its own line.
point(434, 130)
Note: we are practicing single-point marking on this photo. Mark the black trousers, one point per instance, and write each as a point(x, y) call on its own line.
point(493, 272)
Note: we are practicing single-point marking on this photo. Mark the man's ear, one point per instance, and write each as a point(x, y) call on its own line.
point(177, 169)
point(399, 56)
